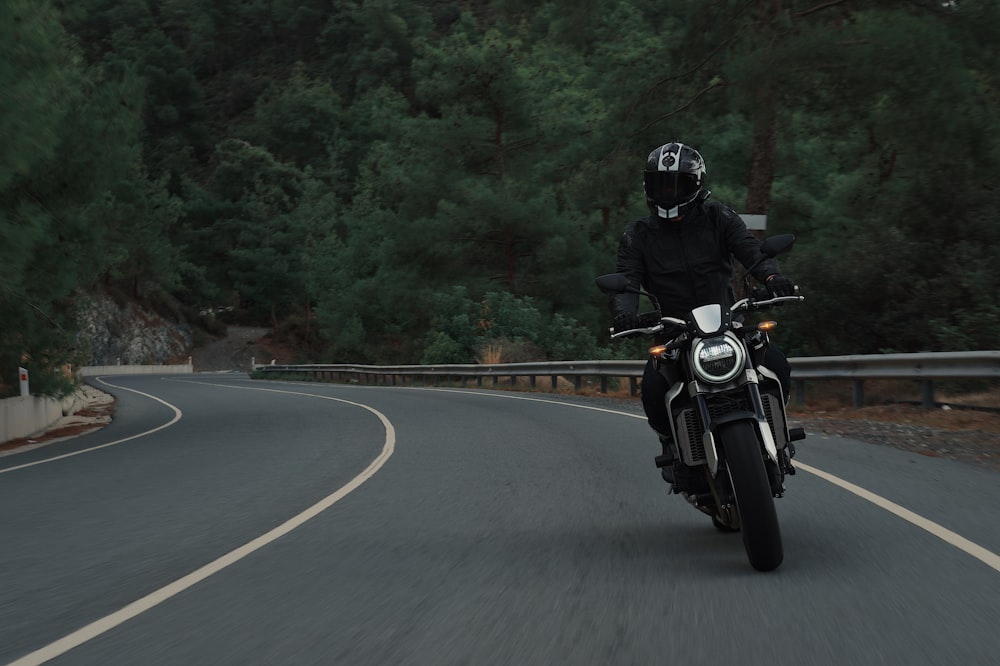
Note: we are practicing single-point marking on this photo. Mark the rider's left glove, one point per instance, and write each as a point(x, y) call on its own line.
point(779, 285)
point(625, 321)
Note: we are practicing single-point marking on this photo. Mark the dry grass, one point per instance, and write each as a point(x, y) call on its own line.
point(491, 354)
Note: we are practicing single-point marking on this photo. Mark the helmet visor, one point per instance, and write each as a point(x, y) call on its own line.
point(669, 188)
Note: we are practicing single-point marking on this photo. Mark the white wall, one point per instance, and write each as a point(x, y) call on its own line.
point(27, 415)
point(94, 370)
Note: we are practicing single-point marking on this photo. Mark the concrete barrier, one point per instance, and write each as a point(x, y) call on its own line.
point(26, 415)
point(94, 370)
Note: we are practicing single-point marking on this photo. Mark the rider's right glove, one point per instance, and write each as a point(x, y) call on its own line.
point(779, 285)
point(625, 321)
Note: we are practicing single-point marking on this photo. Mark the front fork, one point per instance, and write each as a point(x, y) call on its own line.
point(758, 416)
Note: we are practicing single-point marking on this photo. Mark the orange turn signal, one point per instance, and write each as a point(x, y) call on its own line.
point(657, 350)
point(767, 326)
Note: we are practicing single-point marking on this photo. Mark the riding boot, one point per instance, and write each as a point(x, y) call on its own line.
point(666, 461)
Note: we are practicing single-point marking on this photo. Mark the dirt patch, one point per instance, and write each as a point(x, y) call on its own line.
point(239, 349)
point(236, 351)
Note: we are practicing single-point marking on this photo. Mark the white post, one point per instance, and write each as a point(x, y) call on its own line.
point(23, 374)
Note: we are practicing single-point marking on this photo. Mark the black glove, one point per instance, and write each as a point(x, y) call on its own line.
point(625, 321)
point(779, 285)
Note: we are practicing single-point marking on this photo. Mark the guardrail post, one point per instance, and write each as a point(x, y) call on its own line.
point(799, 389)
point(633, 386)
point(577, 382)
point(604, 384)
point(859, 393)
point(927, 393)
point(555, 382)
point(532, 380)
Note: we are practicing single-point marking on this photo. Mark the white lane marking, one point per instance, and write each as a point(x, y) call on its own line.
point(177, 417)
point(987, 557)
point(109, 622)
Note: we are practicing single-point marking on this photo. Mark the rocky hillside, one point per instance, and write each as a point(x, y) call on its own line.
point(119, 331)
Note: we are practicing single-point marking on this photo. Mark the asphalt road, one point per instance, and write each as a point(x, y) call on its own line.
point(292, 523)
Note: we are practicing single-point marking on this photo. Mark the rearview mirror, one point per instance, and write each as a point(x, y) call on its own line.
point(776, 245)
point(614, 283)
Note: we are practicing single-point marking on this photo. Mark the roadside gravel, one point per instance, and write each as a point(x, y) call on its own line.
point(978, 447)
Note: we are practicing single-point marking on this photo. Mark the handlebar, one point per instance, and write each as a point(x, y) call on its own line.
point(748, 304)
point(649, 330)
point(636, 331)
point(745, 304)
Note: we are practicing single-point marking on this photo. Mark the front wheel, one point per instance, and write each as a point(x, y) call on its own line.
point(758, 518)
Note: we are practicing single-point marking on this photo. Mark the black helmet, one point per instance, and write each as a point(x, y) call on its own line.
point(674, 178)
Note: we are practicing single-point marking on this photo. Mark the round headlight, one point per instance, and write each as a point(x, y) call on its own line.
point(718, 360)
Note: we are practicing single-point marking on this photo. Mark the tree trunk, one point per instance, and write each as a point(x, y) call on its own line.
point(765, 115)
point(765, 144)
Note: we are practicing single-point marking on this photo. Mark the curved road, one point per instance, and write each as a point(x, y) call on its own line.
point(218, 520)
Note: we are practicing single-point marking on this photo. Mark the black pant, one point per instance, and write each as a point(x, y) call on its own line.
point(655, 385)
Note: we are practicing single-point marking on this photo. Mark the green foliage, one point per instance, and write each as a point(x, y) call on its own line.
point(299, 120)
point(79, 147)
point(432, 181)
point(501, 327)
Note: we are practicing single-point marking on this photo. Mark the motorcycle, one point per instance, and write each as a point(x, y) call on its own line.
point(732, 444)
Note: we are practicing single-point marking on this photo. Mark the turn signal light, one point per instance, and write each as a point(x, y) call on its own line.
point(657, 350)
point(767, 326)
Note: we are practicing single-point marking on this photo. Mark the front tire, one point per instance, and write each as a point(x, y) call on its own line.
point(758, 518)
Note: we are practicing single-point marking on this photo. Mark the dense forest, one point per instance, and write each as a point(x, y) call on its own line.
point(383, 181)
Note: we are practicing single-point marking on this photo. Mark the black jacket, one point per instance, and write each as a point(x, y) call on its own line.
point(687, 263)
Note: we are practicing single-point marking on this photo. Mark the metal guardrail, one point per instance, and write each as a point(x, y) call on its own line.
point(925, 367)
point(391, 374)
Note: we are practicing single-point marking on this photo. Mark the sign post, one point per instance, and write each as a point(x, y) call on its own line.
point(755, 222)
point(23, 374)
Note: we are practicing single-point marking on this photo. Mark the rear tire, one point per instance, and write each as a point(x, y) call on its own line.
point(758, 518)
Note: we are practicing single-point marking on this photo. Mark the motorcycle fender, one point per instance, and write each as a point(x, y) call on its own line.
point(762, 427)
point(711, 454)
point(672, 393)
point(770, 375)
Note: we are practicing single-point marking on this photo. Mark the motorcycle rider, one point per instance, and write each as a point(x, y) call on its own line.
point(682, 254)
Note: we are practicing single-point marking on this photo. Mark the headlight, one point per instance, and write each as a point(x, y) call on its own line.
point(718, 360)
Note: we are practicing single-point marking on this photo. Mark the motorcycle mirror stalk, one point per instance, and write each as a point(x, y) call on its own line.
point(618, 283)
point(771, 247)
